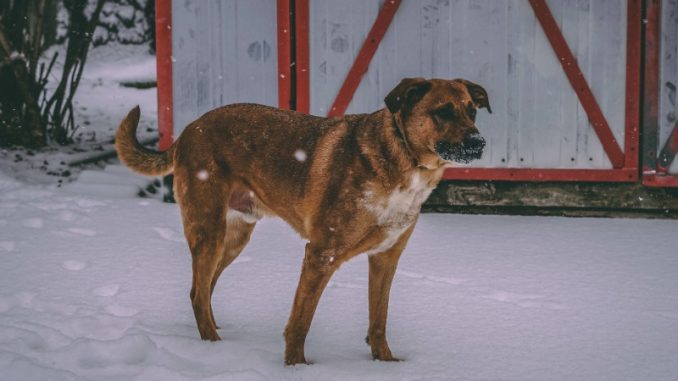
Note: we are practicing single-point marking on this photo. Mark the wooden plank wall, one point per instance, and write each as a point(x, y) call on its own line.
point(538, 121)
point(668, 96)
point(223, 52)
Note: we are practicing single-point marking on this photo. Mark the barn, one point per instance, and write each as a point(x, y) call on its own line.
point(583, 93)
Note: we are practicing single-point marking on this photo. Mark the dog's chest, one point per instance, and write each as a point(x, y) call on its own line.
point(396, 211)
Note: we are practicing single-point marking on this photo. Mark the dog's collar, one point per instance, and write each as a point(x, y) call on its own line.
point(401, 133)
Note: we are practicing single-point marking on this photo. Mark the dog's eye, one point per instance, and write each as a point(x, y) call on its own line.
point(472, 112)
point(446, 112)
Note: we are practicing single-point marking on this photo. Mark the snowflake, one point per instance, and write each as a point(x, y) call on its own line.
point(202, 175)
point(300, 155)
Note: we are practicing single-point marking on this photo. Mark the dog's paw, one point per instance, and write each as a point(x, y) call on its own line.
point(210, 336)
point(293, 361)
point(383, 354)
point(390, 358)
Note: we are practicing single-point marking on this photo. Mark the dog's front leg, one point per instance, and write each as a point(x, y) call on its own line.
point(382, 269)
point(318, 267)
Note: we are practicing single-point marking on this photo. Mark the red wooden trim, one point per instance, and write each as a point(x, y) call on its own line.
point(362, 60)
point(284, 54)
point(633, 56)
point(163, 58)
point(545, 174)
point(660, 181)
point(303, 60)
point(578, 82)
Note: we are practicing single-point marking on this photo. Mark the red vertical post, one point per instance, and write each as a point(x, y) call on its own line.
point(163, 54)
point(303, 60)
point(284, 54)
point(633, 57)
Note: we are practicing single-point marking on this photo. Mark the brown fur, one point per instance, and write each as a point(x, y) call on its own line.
point(237, 163)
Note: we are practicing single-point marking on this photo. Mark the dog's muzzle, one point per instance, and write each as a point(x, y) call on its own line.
point(471, 148)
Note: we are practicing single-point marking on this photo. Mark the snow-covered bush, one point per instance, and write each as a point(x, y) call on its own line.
point(30, 114)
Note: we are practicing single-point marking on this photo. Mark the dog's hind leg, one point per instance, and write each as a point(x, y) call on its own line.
point(382, 269)
point(238, 232)
point(203, 270)
point(204, 218)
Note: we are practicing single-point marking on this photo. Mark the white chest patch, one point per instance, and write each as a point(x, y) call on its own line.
point(396, 212)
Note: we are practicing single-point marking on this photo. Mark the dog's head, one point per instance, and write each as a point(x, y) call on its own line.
point(437, 118)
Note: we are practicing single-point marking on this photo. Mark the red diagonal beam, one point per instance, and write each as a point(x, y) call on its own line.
point(362, 61)
point(578, 82)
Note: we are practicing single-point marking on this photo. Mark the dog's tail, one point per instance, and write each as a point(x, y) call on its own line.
point(137, 157)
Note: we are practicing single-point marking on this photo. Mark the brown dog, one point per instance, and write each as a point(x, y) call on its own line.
point(348, 185)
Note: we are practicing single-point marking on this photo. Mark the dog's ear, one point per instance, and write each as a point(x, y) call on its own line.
point(478, 94)
point(408, 92)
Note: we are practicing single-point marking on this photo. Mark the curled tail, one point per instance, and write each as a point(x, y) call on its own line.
point(137, 157)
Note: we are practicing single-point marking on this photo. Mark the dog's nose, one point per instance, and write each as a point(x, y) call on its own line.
point(474, 142)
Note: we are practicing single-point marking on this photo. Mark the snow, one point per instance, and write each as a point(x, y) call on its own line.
point(300, 155)
point(202, 175)
point(96, 287)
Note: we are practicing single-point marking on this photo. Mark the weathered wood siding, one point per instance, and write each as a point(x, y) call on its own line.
point(668, 75)
point(538, 121)
point(224, 51)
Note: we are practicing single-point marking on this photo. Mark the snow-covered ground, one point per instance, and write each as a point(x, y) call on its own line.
point(95, 287)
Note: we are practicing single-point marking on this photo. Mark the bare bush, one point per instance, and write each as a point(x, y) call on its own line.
point(30, 115)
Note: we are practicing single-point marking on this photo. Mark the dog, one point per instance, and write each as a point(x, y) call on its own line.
point(350, 185)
